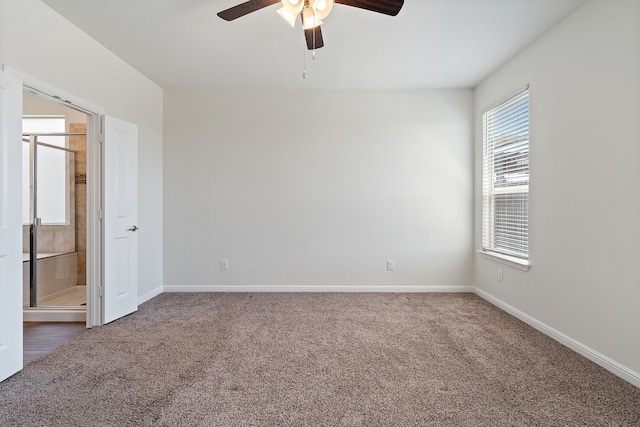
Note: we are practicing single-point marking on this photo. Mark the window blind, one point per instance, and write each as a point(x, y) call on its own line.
point(505, 180)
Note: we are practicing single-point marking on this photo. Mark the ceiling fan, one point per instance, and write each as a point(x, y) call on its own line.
point(312, 12)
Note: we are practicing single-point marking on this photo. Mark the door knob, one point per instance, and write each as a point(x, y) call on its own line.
point(133, 228)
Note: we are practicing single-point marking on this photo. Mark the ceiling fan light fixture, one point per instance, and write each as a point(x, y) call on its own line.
point(288, 16)
point(309, 19)
point(322, 8)
point(312, 13)
point(293, 6)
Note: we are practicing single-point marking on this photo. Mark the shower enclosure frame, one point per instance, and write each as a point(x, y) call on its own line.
point(34, 220)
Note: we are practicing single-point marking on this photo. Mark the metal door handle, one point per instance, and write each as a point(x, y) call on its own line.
point(133, 228)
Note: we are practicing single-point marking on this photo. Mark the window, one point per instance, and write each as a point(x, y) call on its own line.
point(53, 171)
point(505, 177)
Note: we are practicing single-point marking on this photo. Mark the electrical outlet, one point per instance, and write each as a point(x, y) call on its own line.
point(391, 265)
point(224, 264)
point(500, 276)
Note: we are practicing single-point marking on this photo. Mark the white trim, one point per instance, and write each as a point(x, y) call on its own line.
point(151, 294)
point(506, 98)
point(53, 92)
point(591, 354)
point(54, 315)
point(518, 263)
point(319, 288)
point(94, 222)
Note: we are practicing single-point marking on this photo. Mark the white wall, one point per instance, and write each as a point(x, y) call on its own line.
point(584, 232)
point(39, 43)
point(314, 190)
point(36, 105)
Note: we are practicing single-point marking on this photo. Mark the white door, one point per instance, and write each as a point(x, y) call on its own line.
point(120, 219)
point(10, 225)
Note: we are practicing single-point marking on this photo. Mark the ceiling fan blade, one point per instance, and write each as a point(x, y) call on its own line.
point(245, 8)
point(314, 41)
point(388, 7)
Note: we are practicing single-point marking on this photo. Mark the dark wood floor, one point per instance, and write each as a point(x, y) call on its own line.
point(41, 338)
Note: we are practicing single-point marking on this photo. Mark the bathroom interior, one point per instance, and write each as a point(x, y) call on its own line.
point(54, 148)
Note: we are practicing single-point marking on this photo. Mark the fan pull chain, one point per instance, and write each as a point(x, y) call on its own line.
point(313, 54)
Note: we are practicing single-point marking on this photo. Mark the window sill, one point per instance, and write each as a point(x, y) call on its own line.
point(518, 263)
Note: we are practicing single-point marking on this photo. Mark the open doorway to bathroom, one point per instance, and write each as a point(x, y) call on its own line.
point(54, 210)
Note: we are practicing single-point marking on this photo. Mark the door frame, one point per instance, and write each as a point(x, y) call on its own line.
point(95, 139)
point(11, 337)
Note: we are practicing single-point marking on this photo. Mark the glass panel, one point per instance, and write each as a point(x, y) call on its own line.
point(26, 191)
point(57, 258)
point(55, 180)
point(511, 223)
point(51, 209)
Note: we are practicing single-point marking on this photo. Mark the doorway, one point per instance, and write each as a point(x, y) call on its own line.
point(57, 283)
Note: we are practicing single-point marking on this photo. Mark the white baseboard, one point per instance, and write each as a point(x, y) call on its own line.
point(320, 288)
point(596, 357)
point(54, 315)
point(146, 297)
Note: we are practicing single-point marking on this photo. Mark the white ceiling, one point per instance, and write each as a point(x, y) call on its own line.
point(430, 44)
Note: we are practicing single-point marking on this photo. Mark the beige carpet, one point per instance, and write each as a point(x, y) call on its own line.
point(316, 359)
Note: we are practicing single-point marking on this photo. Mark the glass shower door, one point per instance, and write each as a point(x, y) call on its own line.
point(52, 264)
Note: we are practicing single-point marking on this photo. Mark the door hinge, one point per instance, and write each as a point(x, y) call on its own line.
point(101, 137)
point(100, 214)
point(101, 292)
